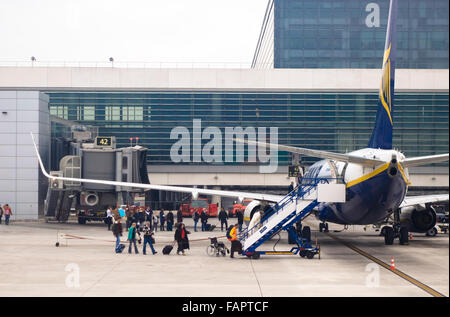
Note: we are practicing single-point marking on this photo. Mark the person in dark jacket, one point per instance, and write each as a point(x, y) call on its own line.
point(170, 221)
point(117, 232)
point(179, 216)
point(223, 216)
point(162, 219)
point(181, 236)
point(148, 233)
point(204, 220)
point(132, 232)
point(149, 216)
point(196, 217)
point(291, 187)
point(240, 218)
point(1, 214)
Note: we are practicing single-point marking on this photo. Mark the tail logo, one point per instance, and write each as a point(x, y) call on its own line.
point(385, 89)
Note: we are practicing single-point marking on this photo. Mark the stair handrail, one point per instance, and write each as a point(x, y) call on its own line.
point(298, 192)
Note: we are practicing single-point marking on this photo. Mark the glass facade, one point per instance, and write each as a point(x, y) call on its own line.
point(351, 34)
point(339, 122)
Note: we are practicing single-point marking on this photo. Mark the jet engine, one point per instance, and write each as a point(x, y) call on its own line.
point(253, 207)
point(418, 218)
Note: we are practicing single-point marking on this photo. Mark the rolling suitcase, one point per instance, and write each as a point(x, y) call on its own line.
point(167, 249)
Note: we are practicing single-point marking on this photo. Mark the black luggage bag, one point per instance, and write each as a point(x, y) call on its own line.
point(167, 249)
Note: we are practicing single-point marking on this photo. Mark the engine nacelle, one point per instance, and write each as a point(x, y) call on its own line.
point(418, 218)
point(89, 199)
point(252, 207)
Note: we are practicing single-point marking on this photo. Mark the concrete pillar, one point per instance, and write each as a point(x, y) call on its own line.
point(217, 199)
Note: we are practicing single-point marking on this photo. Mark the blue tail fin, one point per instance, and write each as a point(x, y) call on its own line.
point(382, 133)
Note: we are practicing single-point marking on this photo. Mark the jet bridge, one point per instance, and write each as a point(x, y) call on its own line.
point(294, 207)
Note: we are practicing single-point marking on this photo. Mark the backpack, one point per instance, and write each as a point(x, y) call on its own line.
point(229, 237)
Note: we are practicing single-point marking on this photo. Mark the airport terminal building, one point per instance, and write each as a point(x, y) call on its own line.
point(314, 78)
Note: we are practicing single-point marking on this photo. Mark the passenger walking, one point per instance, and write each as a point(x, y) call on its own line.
point(109, 217)
point(240, 218)
point(204, 220)
point(195, 217)
point(155, 222)
point(223, 216)
point(149, 216)
point(117, 232)
point(140, 217)
point(148, 238)
point(132, 237)
point(162, 219)
point(179, 216)
point(170, 220)
point(181, 236)
point(122, 212)
point(1, 214)
point(291, 187)
point(236, 245)
point(7, 212)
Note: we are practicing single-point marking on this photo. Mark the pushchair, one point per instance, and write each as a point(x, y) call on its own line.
point(216, 248)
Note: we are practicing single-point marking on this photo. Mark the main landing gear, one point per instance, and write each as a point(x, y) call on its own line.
point(396, 231)
point(323, 226)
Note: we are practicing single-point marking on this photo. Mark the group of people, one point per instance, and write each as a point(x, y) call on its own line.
point(7, 212)
point(223, 217)
point(203, 217)
point(143, 224)
point(164, 221)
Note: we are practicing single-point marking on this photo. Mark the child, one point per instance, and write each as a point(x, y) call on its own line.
point(132, 237)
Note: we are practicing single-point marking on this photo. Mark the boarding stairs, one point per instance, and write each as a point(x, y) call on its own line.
point(294, 207)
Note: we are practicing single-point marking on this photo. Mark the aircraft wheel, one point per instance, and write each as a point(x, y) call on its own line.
point(302, 253)
point(320, 227)
point(432, 232)
point(388, 235)
point(256, 256)
point(306, 233)
point(326, 227)
point(309, 254)
point(404, 236)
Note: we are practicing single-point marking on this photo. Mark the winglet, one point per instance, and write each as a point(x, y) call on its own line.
point(39, 156)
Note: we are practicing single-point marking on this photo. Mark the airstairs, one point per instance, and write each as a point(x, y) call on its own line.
point(294, 207)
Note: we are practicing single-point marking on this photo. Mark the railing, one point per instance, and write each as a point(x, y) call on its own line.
point(297, 193)
point(128, 64)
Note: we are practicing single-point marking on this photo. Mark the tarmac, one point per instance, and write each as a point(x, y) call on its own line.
point(85, 264)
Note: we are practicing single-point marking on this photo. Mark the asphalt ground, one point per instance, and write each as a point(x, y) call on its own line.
point(85, 264)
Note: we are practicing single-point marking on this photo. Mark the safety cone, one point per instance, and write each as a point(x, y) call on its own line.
point(392, 264)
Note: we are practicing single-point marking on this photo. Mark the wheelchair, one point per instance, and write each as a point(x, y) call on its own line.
point(216, 248)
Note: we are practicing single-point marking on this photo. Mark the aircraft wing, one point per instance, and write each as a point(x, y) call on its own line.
point(194, 191)
point(317, 153)
point(423, 160)
point(414, 200)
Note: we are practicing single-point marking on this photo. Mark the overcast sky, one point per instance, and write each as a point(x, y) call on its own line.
point(131, 30)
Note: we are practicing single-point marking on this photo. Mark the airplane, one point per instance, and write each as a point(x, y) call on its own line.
point(376, 178)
